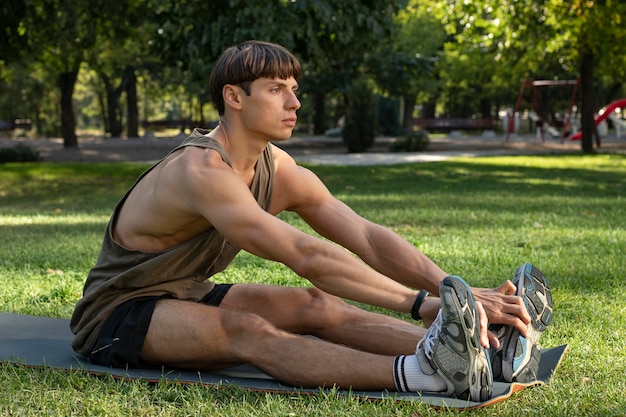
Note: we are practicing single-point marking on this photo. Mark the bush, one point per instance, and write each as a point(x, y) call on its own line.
point(413, 141)
point(18, 153)
point(389, 116)
point(361, 117)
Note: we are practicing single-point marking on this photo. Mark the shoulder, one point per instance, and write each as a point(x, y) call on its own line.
point(191, 162)
point(294, 186)
point(195, 174)
point(285, 165)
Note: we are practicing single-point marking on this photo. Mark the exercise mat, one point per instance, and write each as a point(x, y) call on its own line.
point(42, 342)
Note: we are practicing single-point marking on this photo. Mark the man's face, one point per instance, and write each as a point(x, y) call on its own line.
point(270, 109)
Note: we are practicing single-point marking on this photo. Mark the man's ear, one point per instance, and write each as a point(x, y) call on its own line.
point(231, 95)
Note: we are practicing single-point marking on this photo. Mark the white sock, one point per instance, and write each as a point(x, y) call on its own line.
point(409, 376)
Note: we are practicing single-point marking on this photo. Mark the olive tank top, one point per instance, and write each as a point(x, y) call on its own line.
point(182, 271)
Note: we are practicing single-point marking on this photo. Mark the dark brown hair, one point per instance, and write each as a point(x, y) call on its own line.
point(249, 61)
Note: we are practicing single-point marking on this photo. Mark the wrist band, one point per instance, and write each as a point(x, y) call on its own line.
point(417, 304)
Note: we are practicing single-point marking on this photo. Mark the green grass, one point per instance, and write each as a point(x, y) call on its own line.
point(478, 218)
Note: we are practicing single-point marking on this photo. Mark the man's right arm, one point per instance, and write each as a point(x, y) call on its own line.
point(226, 202)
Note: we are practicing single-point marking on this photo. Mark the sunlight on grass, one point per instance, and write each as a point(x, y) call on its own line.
point(40, 219)
point(478, 218)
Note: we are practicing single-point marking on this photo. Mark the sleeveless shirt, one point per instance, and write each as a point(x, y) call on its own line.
point(182, 271)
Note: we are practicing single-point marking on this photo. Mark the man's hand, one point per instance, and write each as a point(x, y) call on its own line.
point(502, 307)
point(486, 339)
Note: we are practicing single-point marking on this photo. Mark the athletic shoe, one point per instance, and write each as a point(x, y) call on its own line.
point(452, 348)
point(517, 359)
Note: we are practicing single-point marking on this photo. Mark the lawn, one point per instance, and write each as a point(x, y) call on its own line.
point(478, 218)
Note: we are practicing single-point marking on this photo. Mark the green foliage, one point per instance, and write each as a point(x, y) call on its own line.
point(404, 66)
point(18, 153)
point(413, 141)
point(30, 97)
point(12, 39)
point(465, 57)
point(336, 35)
point(388, 116)
point(360, 126)
point(545, 39)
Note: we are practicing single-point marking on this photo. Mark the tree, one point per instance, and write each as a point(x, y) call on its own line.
point(404, 67)
point(360, 129)
point(58, 34)
point(575, 36)
point(185, 47)
point(473, 77)
point(116, 57)
point(332, 38)
point(61, 47)
point(598, 31)
point(336, 39)
point(12, 41)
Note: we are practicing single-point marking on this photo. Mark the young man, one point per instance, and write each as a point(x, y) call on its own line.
point(149, 300)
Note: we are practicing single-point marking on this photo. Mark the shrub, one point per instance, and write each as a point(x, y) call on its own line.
point(18, 153)
point(389, 116)
point(361, 118)
point(413, 141)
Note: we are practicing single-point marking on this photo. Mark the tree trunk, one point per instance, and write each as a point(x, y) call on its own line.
point(112, 106)
point(103, 113)
point(130, 85)
point(67, 81)
point(485, 108)
point(615, 88)
point(319, 115)
point(428, 109)
point(588, 125)
point(407, 117)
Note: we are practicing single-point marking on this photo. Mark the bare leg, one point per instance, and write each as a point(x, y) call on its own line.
point(196, 336)
point(314, 312)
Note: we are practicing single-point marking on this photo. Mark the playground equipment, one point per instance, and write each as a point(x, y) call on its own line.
point(604, 113)
point(619, 123)
point(535, 85)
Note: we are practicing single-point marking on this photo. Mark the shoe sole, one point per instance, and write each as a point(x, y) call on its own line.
point(479, 375)
point(534, 289)
point(521, 354)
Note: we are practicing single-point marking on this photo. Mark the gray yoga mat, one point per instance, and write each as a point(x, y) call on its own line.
point(45, 342)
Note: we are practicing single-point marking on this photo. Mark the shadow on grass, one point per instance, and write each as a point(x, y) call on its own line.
point(443, 189)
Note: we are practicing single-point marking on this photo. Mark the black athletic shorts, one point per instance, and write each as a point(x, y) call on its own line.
point(122, 335)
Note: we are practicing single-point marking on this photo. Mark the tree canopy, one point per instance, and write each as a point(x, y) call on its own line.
point(457, 59)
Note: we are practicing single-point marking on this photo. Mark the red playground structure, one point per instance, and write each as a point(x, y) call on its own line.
point(604, 112)
point(535, 85)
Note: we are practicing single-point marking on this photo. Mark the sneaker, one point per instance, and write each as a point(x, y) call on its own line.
point(452, 348)
point(517, 359)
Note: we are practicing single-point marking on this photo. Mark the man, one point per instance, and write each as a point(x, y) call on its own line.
point(149, 300)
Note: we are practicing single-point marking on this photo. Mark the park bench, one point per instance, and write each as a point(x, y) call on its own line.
point(8, 125)
point(450, 124)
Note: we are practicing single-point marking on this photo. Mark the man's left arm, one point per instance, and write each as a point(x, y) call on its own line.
point(398, 259)
point(302, 192)
point(376, 245)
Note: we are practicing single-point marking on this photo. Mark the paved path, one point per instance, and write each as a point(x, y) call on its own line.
point(312, 149)
point(440, 149)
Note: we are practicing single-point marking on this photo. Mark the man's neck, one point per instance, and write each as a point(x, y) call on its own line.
point(244, 150)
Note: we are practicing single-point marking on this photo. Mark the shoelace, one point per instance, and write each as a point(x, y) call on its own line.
point(432, 334)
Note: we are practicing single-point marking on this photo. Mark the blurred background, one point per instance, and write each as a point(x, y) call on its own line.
point(127, 68)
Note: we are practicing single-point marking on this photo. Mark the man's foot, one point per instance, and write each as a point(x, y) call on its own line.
point(517, 359)
point(452, 346)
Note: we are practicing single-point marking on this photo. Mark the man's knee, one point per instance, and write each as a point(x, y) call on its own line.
point(202, 337)
point(323, 310)
point(247, 325)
